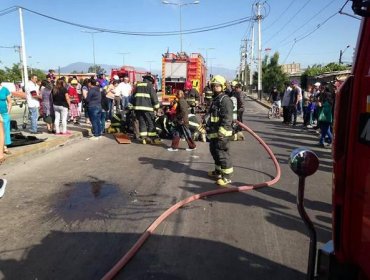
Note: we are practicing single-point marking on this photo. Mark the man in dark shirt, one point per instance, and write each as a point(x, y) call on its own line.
point(293, 102)
point(239, 95)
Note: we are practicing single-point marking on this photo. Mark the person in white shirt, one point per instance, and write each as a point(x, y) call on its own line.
point(117, 91)
point(33, 97)
point(126, 91)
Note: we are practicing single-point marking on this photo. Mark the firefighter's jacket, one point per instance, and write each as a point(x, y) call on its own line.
point(145, 97)
point(220, 117)
point(192, 96)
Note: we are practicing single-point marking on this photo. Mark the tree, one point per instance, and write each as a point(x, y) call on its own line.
point(96, 69)
point(272, 74)
point(39, 73)
point(13, 74)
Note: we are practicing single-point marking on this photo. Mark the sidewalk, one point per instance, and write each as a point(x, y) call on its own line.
point(52, 141)
point(263, 102)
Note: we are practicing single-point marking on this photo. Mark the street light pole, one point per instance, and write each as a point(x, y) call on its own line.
point(123, 57)
point(150, 65)
point(341, 53)
point(210, 59)
point(23, 48)
point(206, 49)
point(93, 41)
point(180, 8)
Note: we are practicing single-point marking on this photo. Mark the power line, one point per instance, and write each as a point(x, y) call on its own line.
point(305, 23)
point(296, 40)
point(289, 52)
point(286, 24)
point(317, 27)
point(279, 17)
point(8, 11)
point(136, 33)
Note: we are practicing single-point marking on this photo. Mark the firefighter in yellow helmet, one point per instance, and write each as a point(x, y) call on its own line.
point(219, 129)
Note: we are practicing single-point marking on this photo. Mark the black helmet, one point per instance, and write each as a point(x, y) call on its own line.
point(149, 78)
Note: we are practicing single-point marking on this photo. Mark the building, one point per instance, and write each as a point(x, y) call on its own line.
point(292, 68)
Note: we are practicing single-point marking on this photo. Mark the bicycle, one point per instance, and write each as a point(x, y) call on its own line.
point(274, 111)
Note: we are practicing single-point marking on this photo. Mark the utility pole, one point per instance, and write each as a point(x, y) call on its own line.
point(251, 62)
point(23, 49)
point(245, 62)
point(259, 18)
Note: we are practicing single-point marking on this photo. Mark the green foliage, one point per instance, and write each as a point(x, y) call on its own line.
point(272, 73)
point(14, 74)
point(318, 69)
point(39, 73)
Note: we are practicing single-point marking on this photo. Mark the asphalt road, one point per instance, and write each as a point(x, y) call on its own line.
point(73, 212)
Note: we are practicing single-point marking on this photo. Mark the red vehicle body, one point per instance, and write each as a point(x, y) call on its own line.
point(179, 68)
point(129, 71)
point(349, 257)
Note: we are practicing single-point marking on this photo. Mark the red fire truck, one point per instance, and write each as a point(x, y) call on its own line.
point(179, 68)
point(347, 256)
point(129, 71)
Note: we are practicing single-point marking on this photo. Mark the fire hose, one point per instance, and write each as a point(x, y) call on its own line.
point(135, 248)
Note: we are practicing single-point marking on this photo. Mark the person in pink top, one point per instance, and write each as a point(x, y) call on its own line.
point(74, 113)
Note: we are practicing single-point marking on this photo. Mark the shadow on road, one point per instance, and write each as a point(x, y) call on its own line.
point(89, 255)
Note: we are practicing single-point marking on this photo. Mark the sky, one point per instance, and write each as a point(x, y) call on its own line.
point(50, 44)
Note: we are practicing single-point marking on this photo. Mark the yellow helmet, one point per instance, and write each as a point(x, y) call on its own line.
point(234, 83)
point(218, 79)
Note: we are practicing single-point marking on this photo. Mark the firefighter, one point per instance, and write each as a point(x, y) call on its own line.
point(219, 130)
point(191, 96)
point(145, 102)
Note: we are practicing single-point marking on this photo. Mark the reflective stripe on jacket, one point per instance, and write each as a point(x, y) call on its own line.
point(145, 97)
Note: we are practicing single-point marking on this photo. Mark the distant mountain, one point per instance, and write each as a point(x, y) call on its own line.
point(83, 67)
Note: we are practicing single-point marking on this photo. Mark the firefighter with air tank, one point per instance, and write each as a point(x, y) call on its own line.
point(219, 130)
point(145, 102)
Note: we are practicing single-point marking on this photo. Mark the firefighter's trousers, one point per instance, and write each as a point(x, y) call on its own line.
point(220, 151)
point(146, 124)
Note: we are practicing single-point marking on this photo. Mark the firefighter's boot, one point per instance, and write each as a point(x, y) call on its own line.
point(156, 141)
point(223, 182)
point(145, 140)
